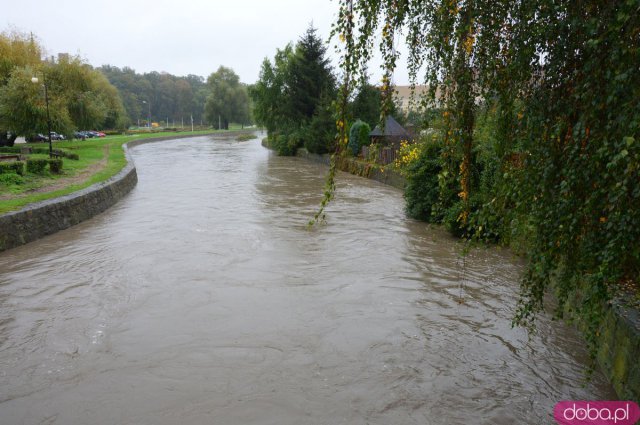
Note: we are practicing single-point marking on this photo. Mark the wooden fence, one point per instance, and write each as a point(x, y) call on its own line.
point(385, 156)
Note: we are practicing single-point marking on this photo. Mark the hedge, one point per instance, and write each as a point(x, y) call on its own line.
point(43, 151)
point(16, 167)
point(55, 165)
point(37, 166)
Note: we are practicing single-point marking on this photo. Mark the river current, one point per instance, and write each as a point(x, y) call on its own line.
point(202, 298)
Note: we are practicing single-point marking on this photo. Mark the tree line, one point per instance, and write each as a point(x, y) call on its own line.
point(295, 95)
point(158, 96)
point(162, 97)
point(82, 97)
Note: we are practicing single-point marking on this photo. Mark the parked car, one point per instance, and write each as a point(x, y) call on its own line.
point(56, 136)
point(80, 135)
point(101, 134)
point(36, 138)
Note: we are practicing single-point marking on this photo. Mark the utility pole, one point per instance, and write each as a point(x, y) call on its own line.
point(219, 127)
point(192, 123)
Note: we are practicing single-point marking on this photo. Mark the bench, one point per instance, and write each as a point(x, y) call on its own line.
point(10, 157)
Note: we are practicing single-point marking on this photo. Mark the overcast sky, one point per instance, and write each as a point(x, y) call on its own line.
point(178, 37)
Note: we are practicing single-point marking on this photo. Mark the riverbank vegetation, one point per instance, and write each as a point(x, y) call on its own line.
point(536, 139)
point(244, 137)
point(293, 97)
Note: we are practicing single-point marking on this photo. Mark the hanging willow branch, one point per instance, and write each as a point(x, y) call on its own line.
point(344, 29)
point(562, 84)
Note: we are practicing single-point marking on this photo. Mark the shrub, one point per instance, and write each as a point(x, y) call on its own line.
point(358, 137)
point(286, 144)
point(422, 192)
point(11, 179)
point(42, 151)
point(453, 222)
point(69, 155)
point(319, 135)
point(294, 141)
point(374, 152)
point(37, 166)
point(278, 142)
point(245, 137)
point(55, 165)
point(16, 167)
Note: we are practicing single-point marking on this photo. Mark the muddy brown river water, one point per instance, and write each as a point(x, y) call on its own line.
point(201, 298)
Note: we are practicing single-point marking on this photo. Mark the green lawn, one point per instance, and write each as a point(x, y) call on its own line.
point(15, 195)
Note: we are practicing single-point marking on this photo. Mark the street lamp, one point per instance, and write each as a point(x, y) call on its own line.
point(35, 80)
point(149, 116)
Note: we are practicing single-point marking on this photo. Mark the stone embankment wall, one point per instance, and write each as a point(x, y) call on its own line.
point(358, 168)
point(351, 165)
point(44, 218)
point(619, 351)
point(47, 217)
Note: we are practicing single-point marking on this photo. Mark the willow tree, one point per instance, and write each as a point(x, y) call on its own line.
point(16, 50)
point(228, 100)
point(23, 109)
point(92, 102)
point(563, 81)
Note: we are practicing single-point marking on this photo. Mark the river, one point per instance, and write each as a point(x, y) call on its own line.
point(202, 298)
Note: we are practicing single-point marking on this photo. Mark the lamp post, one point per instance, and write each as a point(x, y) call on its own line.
point(35, 80)
point(149, 116)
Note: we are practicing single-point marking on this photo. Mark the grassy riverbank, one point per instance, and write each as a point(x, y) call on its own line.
point(99, 159)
